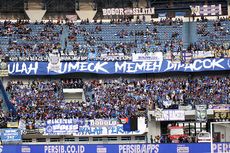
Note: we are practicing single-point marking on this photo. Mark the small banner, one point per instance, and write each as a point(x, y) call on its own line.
point(201, 113)
point(147, 57)
point(3, 69)
point(162, 15)
point(219, 106)
point(206, 10)
point(12, 124)
point(169, 115)
point(54, 62)
point(222, 115)
point(128, 11)
point(203, 54)
point(11, 135)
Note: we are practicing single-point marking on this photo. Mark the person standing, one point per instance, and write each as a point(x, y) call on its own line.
point(151, 139)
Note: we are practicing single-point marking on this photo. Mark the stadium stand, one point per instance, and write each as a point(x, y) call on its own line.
point(114, 98)
point(30, 40)
point(77, 81)
point(22, 41)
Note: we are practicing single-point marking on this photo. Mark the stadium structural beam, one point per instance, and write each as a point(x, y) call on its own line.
point(86, 14)
point(35, 15)
point(228, 2)
point(87, 9)
point(35, 10)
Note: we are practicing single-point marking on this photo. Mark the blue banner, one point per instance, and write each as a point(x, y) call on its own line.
point(97, 127)
point(62, 126)
point(11, 135)
point(125, 67)
point(117, 148)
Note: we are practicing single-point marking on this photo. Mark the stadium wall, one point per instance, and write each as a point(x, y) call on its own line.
point(121, 148)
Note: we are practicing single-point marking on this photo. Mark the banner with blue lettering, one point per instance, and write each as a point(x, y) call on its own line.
point(11, 135)
point(125, 67)
point(117, 148)
point(97, 127)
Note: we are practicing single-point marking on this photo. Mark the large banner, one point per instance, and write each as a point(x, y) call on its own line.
point(128, 11)
point(97, 127)
point(11, 135)
point(125, 67)
point(118, 148)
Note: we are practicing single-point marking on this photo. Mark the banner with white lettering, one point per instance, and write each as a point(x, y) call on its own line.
point(124, 67)
point(169, 115)
point(11, 135)
point(117, 148)
point(128, 11)
point(147, 57)
point(107, 131)
point(203, 54)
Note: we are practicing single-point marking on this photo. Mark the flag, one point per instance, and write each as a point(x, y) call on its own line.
point(130, 124)
point(133, 124)
point(126, 123)
point(201, 113)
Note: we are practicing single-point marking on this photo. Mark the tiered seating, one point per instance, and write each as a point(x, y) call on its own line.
point(213, 36)
point(25, 41)
point(112, 98)
point(214, 30)
point(124, 38)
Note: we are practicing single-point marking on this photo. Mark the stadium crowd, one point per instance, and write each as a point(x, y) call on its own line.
point(110, 98)
point(213, 35)
point(24, 41)
point(114, 98)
